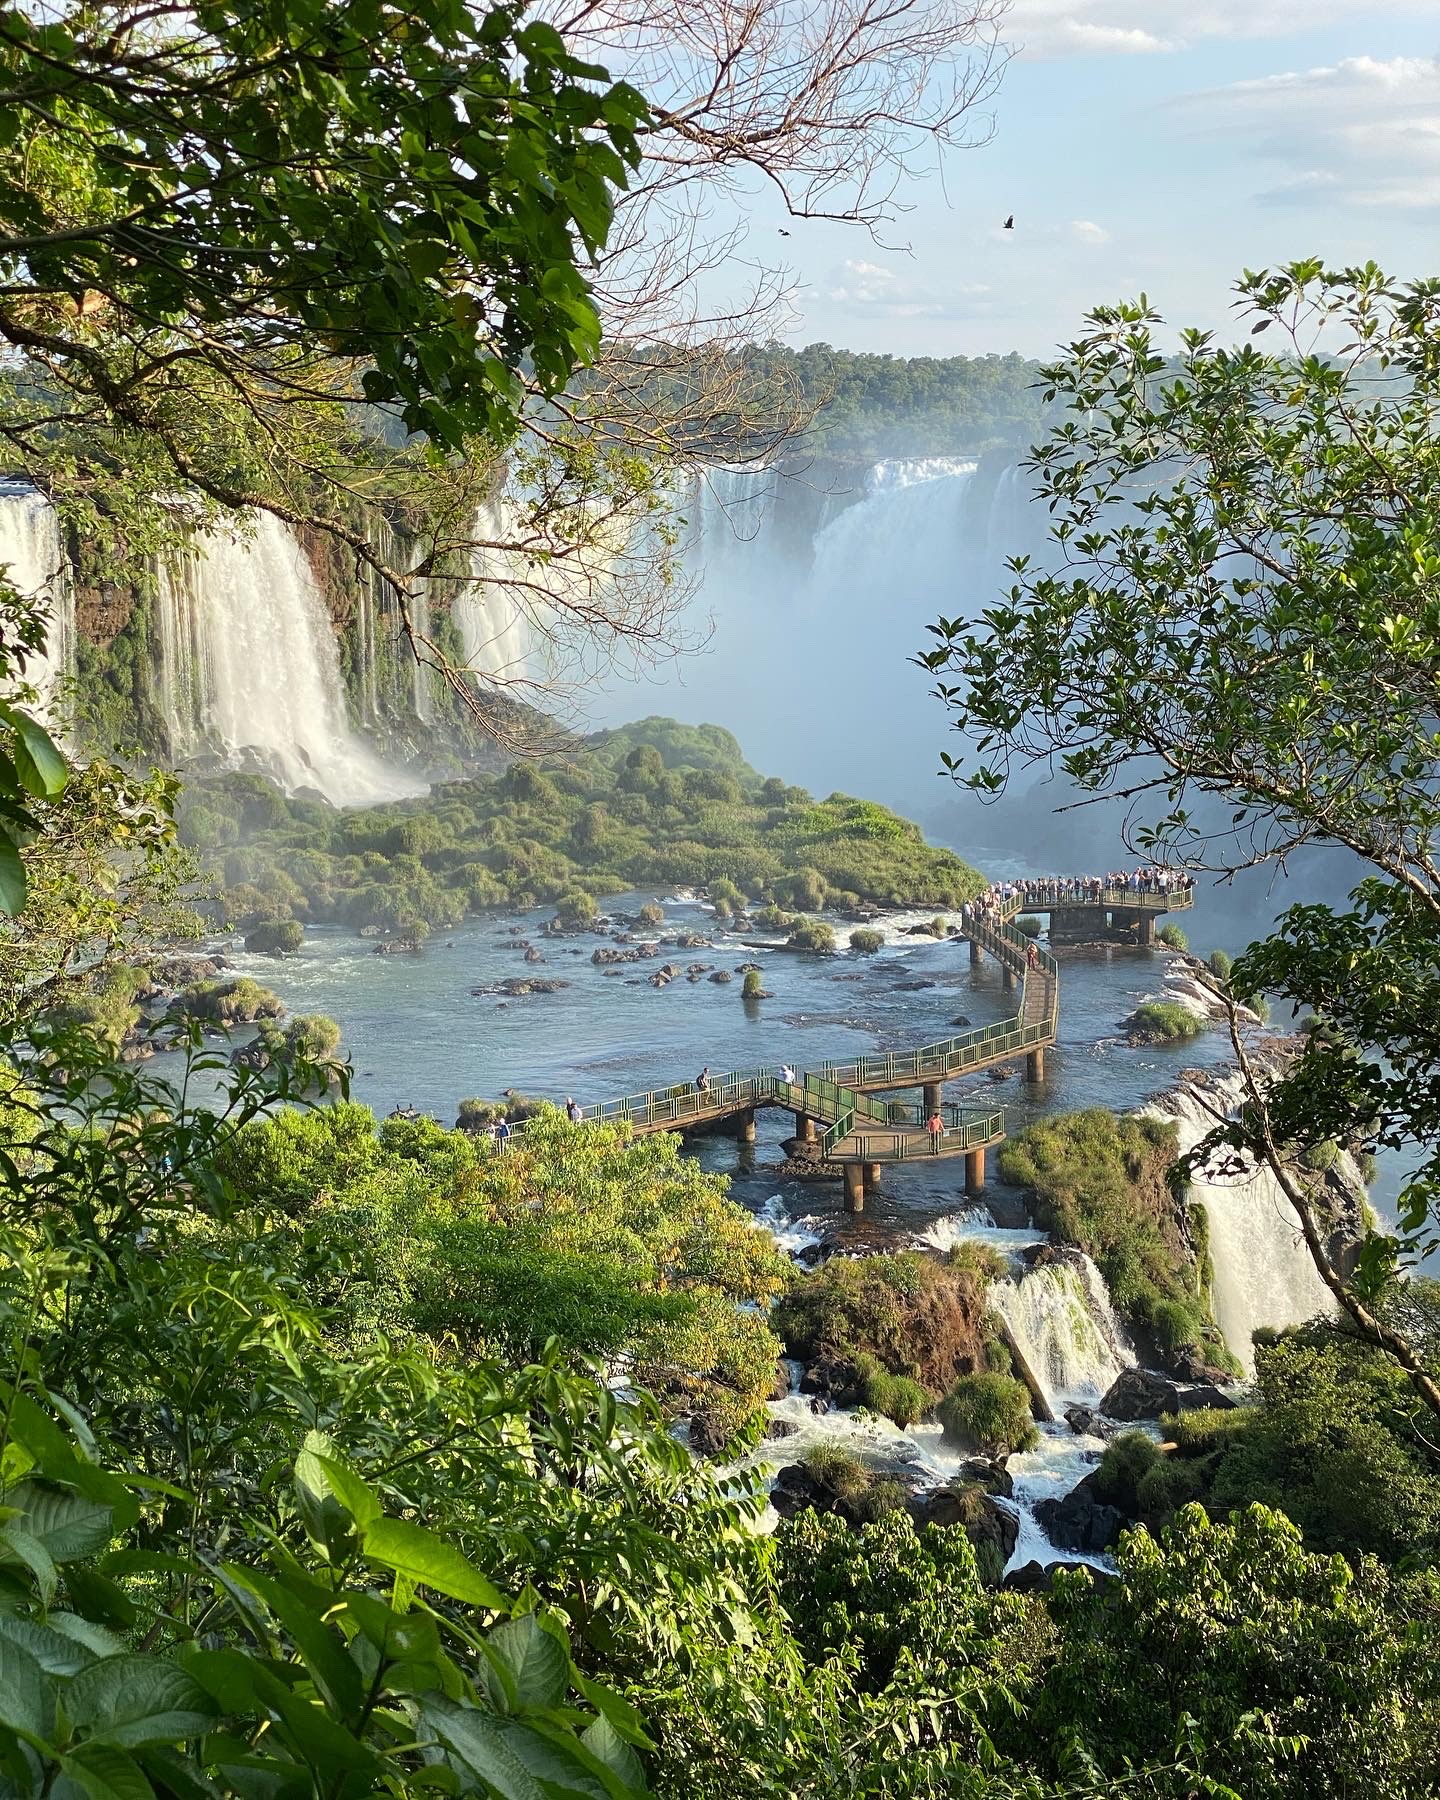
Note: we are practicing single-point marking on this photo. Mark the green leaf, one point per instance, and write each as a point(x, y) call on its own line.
point(57, 1652)
point(538, 1666)
point(20, 1546)
point(136, 1700)
point(324, 1655)
point(413, 1551)
point(104, 1773)
point(12, 878)
point(602, 1740)
point(69, 1525)
point(26, 1698)
point(38, 763)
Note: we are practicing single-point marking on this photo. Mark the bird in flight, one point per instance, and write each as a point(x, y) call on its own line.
point(1010, 223)
point(784, 232)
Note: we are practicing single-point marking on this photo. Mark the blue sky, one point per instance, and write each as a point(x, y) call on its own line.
point(1152, 146)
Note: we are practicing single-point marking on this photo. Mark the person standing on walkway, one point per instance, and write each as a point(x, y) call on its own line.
point(702, 1080)
point(573, 1112)
point(935, 1125)
point(502, 1134)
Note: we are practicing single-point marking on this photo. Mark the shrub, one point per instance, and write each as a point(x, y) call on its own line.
point(1028, 925)
point(275, 937)
point(1206, 1428)
point(989, 1413)
point(1320, 1157)
point(313, 1036)
point(806, 890)
point(238, 1002)
point(812, 935)
point(753, 987)
point(725, 893)
point(1174, 937)
point(1166, 1022)
point(866, 941)
point(838, 1469)
point(898, 1397)
point(937, 927)
point(652, 914)
point(1127, 1460)
point(1220, 965)
point(1175, 1325)
point(576, 909)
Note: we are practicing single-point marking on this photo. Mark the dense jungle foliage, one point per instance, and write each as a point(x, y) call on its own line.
point(655, 804)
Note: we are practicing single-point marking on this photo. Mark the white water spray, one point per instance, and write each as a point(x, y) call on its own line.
point(249, 668)
point(1065, 1327)
point(1263, 1272)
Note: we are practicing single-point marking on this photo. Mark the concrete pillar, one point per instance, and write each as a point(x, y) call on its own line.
point(872, 1177)
point(1012, 978)
point(805, 1128)
point(745, 1127)
point(932, 1097)
point(977, 955)
point(974, 1172)
point(1145, 928)
point(854, 1187)
point(1035, 1064)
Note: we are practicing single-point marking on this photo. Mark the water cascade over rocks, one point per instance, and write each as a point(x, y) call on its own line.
point(35, 564)
point(491, 612)
point(1263, 1272)
point(249, 670)
point(1063, 1324)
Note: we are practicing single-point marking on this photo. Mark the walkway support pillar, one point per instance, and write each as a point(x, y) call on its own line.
point(745, 1127)
point(854, 1187)
point(1012, 979)
point(977, 955)
point(1035, 1064)
point(872, 1177)
point(805, 1128)
point(1145, 928)
point(974, 1173)
point(932, 1097)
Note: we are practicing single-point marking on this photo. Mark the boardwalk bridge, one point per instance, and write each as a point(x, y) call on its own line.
point(834, 1104)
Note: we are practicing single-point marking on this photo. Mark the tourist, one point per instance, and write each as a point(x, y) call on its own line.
point(572, 1112)
point(1032, 956)
point(702, 1080)
point(787, 1075)
point(502, 1134)
point(935, 1125)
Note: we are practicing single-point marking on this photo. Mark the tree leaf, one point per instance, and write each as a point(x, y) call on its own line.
point(12, 878)
point(69, 1525)
point(539, 1667)
point(104, 1773)
point(38, 763)
point(412, 1550)
point(135, 1700)
point(26, 1696)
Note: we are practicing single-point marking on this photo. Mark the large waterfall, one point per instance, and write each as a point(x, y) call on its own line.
point(33, 557)
point(1263, 1271)
point(493, 611)
point(816, 590)
point(249, 669)
point(1063, 1324)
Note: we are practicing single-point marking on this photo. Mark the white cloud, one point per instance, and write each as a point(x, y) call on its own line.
point(1086, 231)
point(1363, 132)
point(870, 290)
point(1046, 28)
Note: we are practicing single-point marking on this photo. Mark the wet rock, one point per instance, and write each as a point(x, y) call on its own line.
point(780, 1387)
point(1039, 1578)
point(1080, 1520)
point(706, 1436)
point(748, 968)
point(1085, 1421)
point(532, 955)
point(516, 987)
point(991, 1474)
point(985, 1522)
point(1144, 1394)
point(961, 1021)
point(721, 976)
point(399, 946)
point(781, 1428)
point(914, 987)
point(1001, 1072)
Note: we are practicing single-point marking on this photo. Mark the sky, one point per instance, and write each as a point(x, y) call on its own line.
point(1152, 146)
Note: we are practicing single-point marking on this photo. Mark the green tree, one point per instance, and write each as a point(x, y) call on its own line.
point(1245, 555)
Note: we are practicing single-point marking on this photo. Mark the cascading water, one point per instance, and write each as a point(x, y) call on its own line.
point(493, 610)
point(1063, 1324)
point(1263, 1272)
point(33, 557)
point(249, 670)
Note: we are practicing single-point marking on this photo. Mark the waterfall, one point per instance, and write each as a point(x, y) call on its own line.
point(493, 617)
point(1263, 1272)
point(33, 558)
point(249, 669)
point(1065, 1327)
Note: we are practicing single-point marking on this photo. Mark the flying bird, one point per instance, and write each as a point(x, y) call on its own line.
point(784, 232)
point(1010, 223)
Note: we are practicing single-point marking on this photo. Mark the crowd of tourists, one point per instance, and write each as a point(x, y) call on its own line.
point(1079, 890)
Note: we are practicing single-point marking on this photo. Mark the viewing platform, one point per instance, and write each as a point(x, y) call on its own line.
point(834, 1106)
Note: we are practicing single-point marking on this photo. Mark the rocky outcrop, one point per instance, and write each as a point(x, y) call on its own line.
point(1145, 1394)
point(1081, 1520)
point(1039, 1578)
point(993, 1529)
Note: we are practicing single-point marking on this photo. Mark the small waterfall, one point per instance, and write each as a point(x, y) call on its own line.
point(1065, 1327)
point(492, 613)
point(33, 557)
point(1263, 1272)
point(249, 669)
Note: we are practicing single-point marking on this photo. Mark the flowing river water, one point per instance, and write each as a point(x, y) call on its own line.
point(418, 1036)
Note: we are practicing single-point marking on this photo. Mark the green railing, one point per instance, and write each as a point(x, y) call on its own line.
point(1108, 897)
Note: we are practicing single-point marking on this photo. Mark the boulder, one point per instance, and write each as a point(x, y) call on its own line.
point(721, 976)
point(781, 1428)
point(1080, 1520)
point(967, 1504)
point(1085, 1421)
point(706, 1437)
point(780, 1387)
point(1144, 1394)
point(1039, 1578)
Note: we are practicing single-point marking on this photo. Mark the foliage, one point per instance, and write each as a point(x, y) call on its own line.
point(915, 1316)
point(275, 937)
point(1244, 556)
point(1220, 964)
point(1165, 1022)
point(651, 914)
point(813, 935)
point(1029, 925)
point(1103, 1183)
point(1173, 937)
point(612, 1246)
point(897, 1397)
point(1299, 1675)
point(753, 986)
point(689, 812)
point(239, 1001)
point(989, 1412)
point(866, 942)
